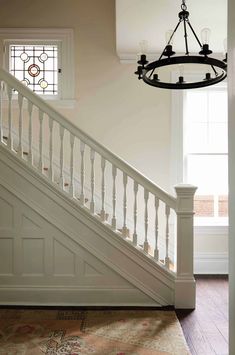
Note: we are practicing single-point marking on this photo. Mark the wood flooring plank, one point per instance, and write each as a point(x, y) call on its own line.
point(206, 328)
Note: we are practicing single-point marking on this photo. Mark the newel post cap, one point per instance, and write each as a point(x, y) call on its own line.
point(185, 198)
point(185, 189)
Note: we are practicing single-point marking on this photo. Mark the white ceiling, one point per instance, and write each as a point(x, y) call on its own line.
point(138, 20)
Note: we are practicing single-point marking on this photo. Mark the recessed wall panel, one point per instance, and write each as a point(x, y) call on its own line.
point(33, 256)
point(6, 256)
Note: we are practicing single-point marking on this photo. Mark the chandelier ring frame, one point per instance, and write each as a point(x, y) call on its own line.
point(184, 60)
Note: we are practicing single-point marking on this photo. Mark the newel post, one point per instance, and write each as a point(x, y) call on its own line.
point(185, 288)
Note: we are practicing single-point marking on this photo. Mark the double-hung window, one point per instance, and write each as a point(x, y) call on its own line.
point(199, 150)
point(206, 153)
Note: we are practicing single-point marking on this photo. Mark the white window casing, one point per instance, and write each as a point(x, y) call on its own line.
point(61, 37)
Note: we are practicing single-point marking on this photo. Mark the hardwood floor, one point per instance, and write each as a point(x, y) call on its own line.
point(206, 328)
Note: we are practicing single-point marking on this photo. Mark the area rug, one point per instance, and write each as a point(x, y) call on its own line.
point(50, 332)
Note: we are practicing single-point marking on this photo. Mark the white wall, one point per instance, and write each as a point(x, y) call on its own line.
point(231, 60)
point(132, 119)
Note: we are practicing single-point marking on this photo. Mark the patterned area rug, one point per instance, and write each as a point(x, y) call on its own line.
point(51, 332)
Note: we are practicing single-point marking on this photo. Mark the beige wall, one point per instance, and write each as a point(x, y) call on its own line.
point(111, 103)
point(130, 118)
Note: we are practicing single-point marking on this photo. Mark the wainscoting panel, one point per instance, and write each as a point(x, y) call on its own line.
point(52, 252)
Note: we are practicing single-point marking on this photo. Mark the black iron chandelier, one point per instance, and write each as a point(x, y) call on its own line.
point(148, 71)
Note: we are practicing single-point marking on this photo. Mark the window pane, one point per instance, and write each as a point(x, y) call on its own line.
point(223, 206)
point(196, 138)
point(209, 173)
point(204, 206)
point(218, 137)
point(199, 111)
point(218, 107)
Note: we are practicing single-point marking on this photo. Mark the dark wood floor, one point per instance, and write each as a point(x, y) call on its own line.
point(206, 328)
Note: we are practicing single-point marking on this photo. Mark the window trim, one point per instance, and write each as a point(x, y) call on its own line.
point(64, 36)
point(177, 163)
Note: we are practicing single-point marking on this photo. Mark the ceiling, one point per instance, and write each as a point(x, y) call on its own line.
point(149, 20)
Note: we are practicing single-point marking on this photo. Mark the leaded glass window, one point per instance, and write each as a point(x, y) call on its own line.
point(36, 66)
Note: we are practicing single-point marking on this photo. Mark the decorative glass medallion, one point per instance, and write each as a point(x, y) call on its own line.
point(25, 82)
point(36, 66)
point(24, 56)
point(43, 83)
point(43, 57)
point(34, 70)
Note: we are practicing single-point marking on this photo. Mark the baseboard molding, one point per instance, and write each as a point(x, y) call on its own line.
point(69, 296)
point(211, 263)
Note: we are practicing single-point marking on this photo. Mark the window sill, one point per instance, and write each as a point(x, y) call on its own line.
point(211, 230)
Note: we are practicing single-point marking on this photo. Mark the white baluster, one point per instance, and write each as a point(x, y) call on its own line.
point(102, 212)
point(82, 195)
point(20, 103)
point(71, 187)
point(156, 250)
point(61, 183)
point(30, 156)
point(1, 127)
point(10, 138)
point(51, 171)
point(114, 220)
point(92, 203)
point(136, 186)
point(124, 229)
point(41, 141)
point(146, 243)
point(167, 259)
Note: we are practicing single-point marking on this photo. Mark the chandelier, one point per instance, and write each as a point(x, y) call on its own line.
point(148, 72)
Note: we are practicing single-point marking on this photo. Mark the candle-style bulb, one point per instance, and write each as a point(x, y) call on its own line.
point(205, 35)
point(225, 42)
point(143, 46)
point(181, 74)
point(169, 37)
point(225, 45)
point(181, 69)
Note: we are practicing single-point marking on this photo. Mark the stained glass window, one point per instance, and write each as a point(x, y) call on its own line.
point(36, 66)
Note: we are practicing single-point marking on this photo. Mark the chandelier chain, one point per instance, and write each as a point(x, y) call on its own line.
point(184, 6)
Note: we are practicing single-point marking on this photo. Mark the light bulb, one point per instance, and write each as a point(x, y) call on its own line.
point(205, 35)
point(169, 37)
point(181, 74)
point(181, 69)
point(143, 46)
point(225, 45)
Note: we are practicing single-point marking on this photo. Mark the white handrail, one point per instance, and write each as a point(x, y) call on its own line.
point(105, 153)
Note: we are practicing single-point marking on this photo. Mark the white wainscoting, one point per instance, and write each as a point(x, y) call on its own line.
point(53, 252)
point(211, 263)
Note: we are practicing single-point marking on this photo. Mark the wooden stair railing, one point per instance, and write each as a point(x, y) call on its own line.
point(158, 224)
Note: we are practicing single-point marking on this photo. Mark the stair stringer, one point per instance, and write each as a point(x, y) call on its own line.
point(97, 238)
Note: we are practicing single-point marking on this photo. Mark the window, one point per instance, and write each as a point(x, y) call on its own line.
point(205, 152)
point(42, 59)
point(36, 66)
point(199, 150)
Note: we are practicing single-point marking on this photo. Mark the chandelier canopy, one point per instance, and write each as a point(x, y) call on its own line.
point(148, 72)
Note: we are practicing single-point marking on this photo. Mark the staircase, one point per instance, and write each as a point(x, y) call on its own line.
point(80, 226)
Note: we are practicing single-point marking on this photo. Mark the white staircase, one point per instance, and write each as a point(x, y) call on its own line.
point(78, 225)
